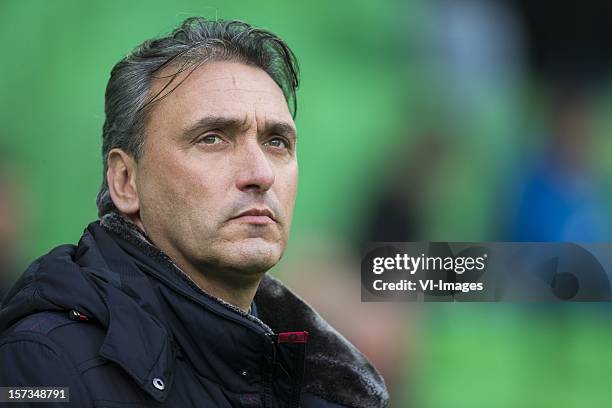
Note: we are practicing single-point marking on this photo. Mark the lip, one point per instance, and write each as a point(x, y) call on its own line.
point(258, 216)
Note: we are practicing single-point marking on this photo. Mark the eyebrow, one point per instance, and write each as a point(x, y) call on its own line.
point(281, 128)
point(226, 122)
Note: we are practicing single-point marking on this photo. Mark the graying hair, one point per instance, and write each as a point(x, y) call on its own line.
point(196, 41)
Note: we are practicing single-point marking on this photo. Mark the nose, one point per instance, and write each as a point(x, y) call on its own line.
point(255, 172)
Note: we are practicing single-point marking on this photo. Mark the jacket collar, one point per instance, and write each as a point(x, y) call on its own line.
point(335, 369)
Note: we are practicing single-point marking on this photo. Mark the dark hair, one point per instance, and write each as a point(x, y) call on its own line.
point(196, 41)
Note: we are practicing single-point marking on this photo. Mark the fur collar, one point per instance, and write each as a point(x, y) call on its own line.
point(335, 370)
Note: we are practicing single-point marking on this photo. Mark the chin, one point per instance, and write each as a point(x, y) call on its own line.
point(252, 255)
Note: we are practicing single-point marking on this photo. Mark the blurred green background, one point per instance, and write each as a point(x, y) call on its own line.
point(418, 120)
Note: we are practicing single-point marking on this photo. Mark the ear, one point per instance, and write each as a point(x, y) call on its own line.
point(121, 179)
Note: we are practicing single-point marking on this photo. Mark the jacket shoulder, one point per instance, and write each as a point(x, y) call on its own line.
point(30, 356)
point(48, 348)
point(41, 322)
point(78, 343)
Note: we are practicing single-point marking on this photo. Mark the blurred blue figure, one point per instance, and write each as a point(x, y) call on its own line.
point(558, 197)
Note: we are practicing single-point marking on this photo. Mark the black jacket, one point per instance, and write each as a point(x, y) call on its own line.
point(116, 321)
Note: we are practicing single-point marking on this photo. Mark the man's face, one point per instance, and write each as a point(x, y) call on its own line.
point(220, 145)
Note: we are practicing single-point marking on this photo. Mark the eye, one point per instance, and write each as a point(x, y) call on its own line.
point(211, 139)
point(277, 142)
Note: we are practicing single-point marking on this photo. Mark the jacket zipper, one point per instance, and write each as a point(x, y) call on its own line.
point(300, 339)
point(267, 384)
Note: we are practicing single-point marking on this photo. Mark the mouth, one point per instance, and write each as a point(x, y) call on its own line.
point(255, 216)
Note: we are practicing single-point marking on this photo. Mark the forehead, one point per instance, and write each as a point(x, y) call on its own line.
point(218, 88)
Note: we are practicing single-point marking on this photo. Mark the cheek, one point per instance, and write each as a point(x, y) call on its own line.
point(170, 181)
point(287, 183)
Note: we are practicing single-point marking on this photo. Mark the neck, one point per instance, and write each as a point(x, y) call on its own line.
point(226, 285)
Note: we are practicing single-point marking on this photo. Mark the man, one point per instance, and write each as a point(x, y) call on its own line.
point(165, 301)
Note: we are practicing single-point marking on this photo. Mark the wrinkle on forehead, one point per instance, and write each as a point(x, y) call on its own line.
point(223, 89)
point(243, 83)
